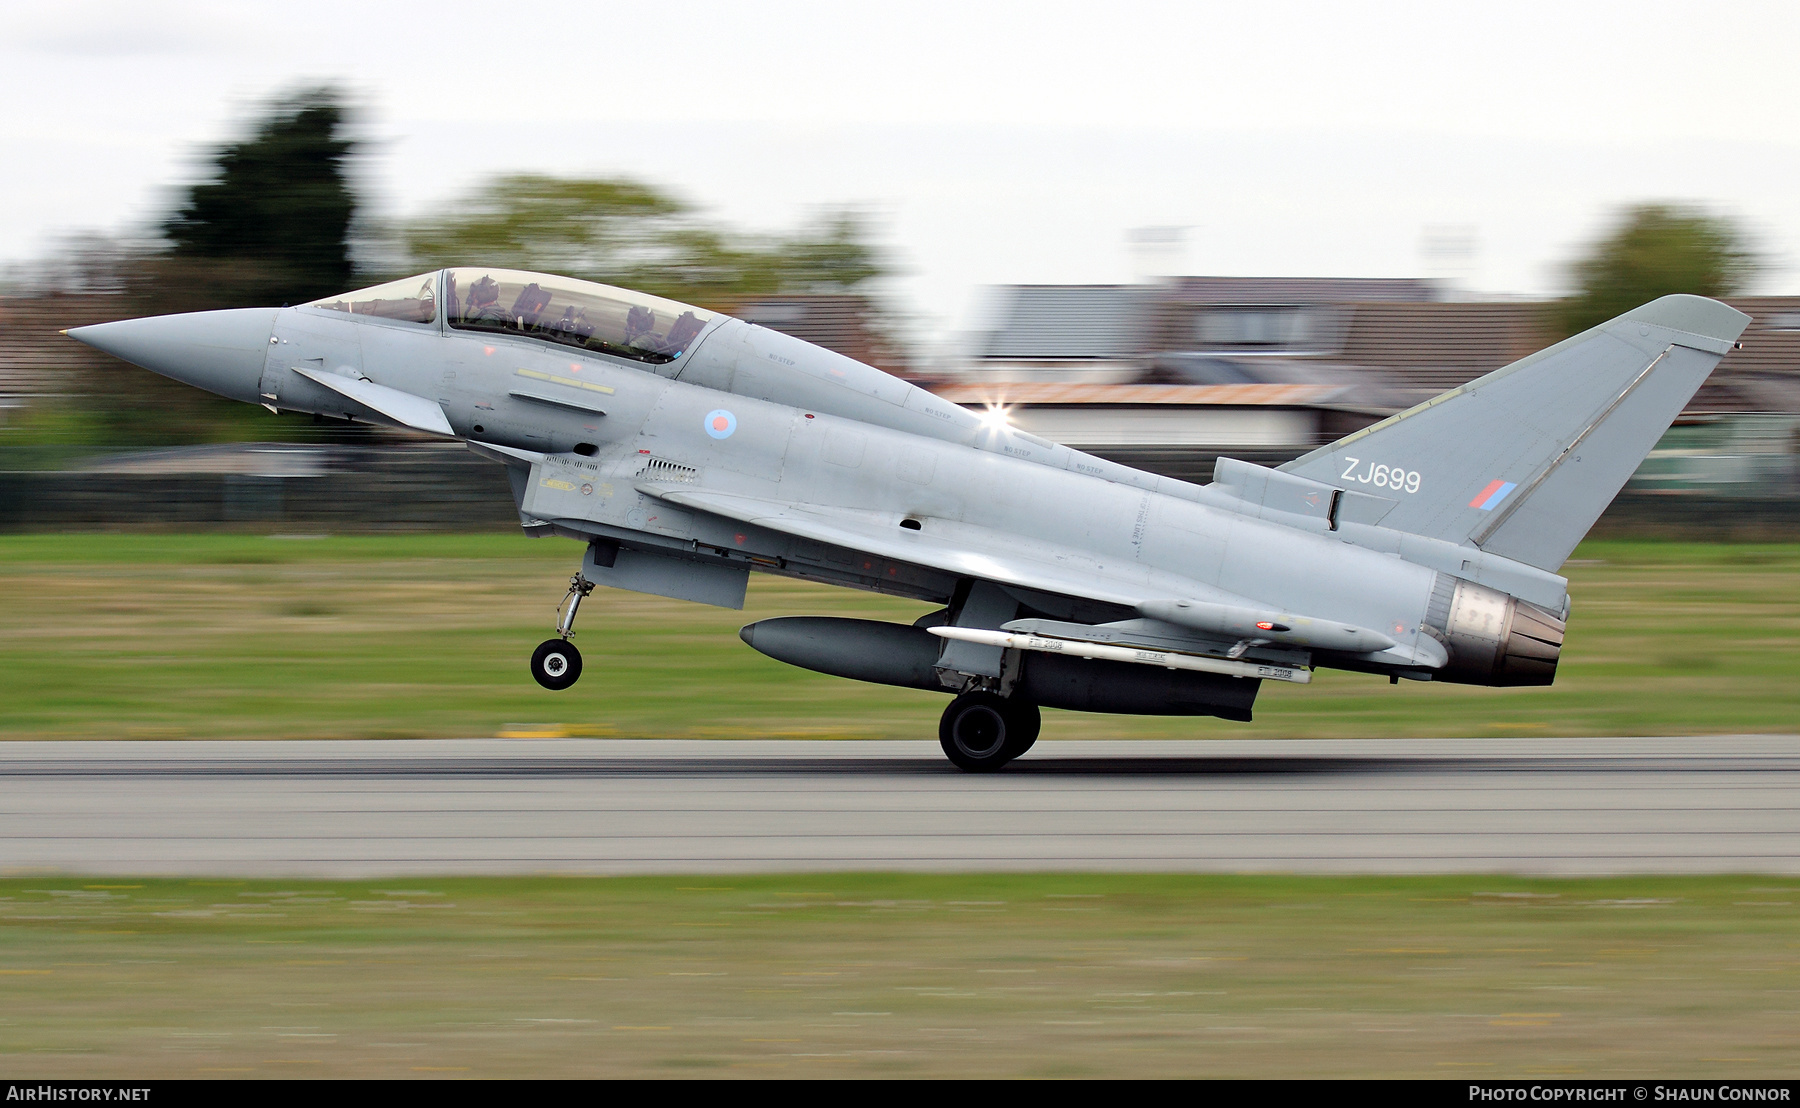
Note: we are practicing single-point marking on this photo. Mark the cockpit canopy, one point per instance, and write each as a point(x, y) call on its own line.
point(576, 313)
point(563, 310)
point(410, 299)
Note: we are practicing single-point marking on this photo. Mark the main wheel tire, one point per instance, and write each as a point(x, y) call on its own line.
point(1027, 722)
point(982, 732)
point(556, 664)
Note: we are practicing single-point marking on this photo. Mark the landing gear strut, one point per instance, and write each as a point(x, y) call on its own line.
point(556, 664)
point(981, 731)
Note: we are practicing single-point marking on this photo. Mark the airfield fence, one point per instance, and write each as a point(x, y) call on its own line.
point(333, 488)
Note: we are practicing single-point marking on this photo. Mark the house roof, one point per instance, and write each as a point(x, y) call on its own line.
point(1294, 290)
point(1771, 344)
point(1763, 375)
point(1439, 346)
point(35, 359)
point(843, 322)
point(1432, 347)
point(1070, 322)
point(1038, 393)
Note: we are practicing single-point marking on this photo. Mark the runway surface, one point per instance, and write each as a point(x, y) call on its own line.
point(376, 808)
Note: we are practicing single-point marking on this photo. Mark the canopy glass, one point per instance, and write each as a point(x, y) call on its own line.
point(411, 299)
point(574, 313)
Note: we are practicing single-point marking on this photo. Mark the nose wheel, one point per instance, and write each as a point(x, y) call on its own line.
point(981, 731)
point(556, 664)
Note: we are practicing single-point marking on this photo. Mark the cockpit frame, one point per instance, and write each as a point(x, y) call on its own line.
point(585, 315)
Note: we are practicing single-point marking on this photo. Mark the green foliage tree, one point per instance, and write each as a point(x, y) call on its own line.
point(622, 232)
point(272, 223)
point(269, 225)
point(530, 221)
point(833, 254)
point(1654, 250)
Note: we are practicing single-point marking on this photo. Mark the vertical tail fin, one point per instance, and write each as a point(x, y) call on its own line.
point(1521, 462)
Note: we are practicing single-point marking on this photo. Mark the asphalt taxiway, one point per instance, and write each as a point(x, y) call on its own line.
point(1551, 806)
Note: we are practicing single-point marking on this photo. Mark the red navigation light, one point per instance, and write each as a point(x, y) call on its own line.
point(1264, 625)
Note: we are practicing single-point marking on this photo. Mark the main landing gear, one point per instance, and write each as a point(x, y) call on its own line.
point(981, 731)
point(556, 664)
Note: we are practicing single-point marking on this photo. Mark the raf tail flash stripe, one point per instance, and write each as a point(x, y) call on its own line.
point(1487, 498)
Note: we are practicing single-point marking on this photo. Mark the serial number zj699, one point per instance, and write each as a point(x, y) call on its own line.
point(1381, 476)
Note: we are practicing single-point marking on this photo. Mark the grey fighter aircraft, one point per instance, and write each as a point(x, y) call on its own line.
point(686, 449)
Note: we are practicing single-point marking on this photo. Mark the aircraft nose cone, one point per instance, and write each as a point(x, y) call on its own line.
point(220, 352)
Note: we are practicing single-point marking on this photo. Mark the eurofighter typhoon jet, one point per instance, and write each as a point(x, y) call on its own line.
point(686, 449)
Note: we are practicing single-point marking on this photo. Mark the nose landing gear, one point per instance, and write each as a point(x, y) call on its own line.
point(556, 664)
point(981, 731)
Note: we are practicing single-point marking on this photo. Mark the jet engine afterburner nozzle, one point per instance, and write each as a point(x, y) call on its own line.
point(1496, 639)
point(222, 352)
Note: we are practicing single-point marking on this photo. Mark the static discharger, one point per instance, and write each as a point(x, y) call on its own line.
point(1167, 659)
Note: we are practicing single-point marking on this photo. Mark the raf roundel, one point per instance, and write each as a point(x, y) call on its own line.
point(720, 423)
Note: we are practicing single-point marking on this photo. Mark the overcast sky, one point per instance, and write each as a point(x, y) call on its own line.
point(996, 142)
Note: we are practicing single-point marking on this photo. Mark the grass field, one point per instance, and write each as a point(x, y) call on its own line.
point(966, 975)
point(245, 636)
point(252, 636)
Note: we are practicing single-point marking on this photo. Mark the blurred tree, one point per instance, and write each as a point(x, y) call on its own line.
point(832, 255)
point(269, 225)
point(624, 233)
point(1654, 250)
point(529, 221)
point(272, 224)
